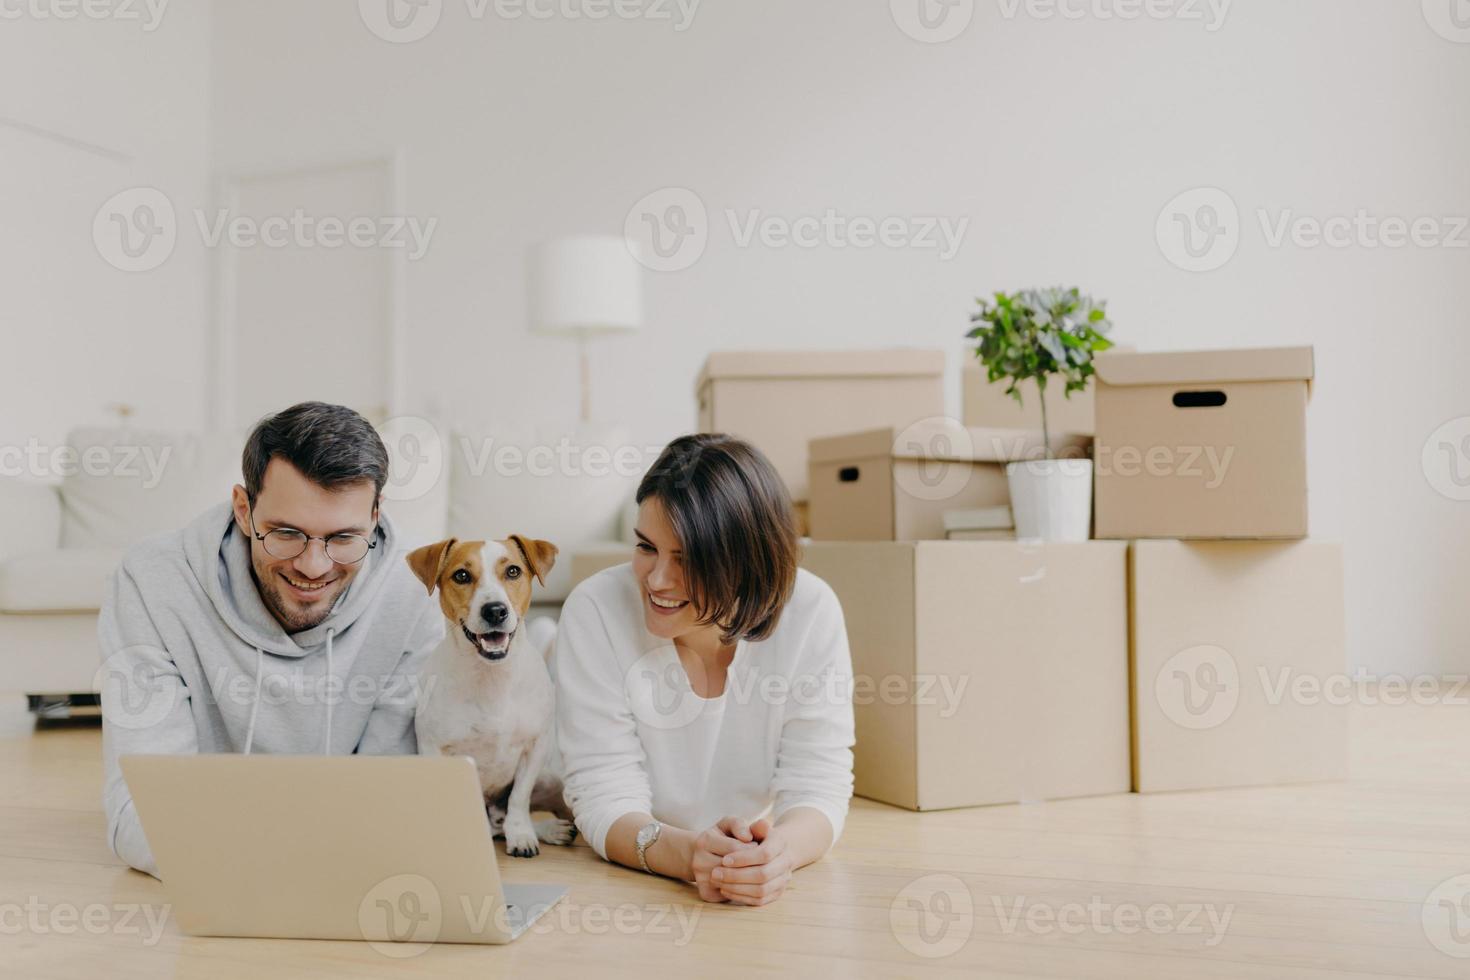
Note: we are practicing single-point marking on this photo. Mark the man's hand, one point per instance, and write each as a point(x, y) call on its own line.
point(715, 845)
point(754, 875)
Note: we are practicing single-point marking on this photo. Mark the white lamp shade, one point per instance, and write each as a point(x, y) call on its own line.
point(584, 284)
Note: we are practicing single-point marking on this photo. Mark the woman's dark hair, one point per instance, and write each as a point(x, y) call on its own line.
point(331, 445)
point(736, 525)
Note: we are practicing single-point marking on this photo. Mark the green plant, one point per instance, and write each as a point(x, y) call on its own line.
point(1038, 333)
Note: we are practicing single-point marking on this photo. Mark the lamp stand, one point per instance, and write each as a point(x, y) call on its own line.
point(586, 375)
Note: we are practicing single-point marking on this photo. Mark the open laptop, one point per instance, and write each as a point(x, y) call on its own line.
point(388, 849)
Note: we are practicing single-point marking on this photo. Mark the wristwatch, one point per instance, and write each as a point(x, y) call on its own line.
point(647, 837)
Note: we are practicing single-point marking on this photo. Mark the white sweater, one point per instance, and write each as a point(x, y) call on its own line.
point(635, 738)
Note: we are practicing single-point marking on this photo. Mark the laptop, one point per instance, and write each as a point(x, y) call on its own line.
point(387, 849)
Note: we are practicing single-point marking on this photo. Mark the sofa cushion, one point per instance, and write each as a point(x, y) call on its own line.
point(123, 484)
point(57, 580)
point(30, 516)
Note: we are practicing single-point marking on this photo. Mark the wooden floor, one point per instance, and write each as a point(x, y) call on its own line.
point(1313, 881)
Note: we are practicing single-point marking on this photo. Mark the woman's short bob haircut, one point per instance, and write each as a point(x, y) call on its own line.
point(736, 525)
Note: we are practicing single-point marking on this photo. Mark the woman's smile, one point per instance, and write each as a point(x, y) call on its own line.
point(664, 605)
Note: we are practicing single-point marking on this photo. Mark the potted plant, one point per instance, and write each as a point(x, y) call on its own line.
point(1040, 334)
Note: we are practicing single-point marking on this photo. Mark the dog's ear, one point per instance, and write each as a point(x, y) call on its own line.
point(540, 555)
point(428, 562)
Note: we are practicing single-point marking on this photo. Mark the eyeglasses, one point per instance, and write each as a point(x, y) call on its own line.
point(287, 542)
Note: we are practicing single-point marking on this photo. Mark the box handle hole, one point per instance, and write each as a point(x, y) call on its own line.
point(1199, 399)
point(848, 474)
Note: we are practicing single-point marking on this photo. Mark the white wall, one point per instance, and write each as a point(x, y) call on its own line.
point(90, 108)
point(1061, 140)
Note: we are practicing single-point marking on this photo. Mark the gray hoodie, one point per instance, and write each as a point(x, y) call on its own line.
point(193, 661)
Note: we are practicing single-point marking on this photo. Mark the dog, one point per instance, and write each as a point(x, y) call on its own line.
point(490, 694)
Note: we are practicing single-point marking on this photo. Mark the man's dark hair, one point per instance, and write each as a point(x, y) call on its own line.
point(737, 527)
point(331, 445)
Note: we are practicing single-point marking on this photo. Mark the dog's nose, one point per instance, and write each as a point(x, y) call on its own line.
point(494, 612)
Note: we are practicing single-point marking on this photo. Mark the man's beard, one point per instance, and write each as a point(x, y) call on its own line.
point(291, 618)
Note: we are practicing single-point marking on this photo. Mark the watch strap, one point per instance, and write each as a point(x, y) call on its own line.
point(648, 835)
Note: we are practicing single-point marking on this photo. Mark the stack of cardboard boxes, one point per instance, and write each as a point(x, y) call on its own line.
point(1237, 619)
point(1179, 649)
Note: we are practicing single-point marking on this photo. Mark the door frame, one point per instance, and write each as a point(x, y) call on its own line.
point(222, 339)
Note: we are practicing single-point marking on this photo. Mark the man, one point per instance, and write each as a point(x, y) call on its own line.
point(283, 621)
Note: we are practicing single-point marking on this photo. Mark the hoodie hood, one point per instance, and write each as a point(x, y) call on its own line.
point(218, 554)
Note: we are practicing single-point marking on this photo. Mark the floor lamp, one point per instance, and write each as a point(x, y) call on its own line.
point(584, 286)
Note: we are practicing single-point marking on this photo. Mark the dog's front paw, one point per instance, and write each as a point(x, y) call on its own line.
point(520, 838)
point(518, 846)
point(554, 830)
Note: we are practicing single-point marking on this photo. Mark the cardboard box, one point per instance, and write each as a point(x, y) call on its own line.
point(1203, 444)
point(896, 485)
point(987, 406)
point(984, 671)
point(980, 524)
point(1238, 664)
point(781, 400)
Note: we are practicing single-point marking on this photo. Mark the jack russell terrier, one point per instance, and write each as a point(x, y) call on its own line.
point(490, 695)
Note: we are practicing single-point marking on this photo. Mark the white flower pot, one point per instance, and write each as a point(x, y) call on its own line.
point(1051, 498)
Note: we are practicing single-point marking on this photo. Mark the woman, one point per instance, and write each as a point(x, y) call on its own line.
point(704, 692)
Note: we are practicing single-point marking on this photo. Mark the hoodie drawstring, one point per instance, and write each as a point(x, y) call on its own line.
point(255, 704)
point(327, 743)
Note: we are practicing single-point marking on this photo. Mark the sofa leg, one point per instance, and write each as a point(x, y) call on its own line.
point(54, 707)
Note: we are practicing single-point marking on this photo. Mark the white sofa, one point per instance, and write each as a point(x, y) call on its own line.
point(61, 539)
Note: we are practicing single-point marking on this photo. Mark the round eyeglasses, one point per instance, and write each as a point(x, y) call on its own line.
point(287, 542)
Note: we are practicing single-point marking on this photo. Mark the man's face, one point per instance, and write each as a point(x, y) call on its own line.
point(300, 591)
